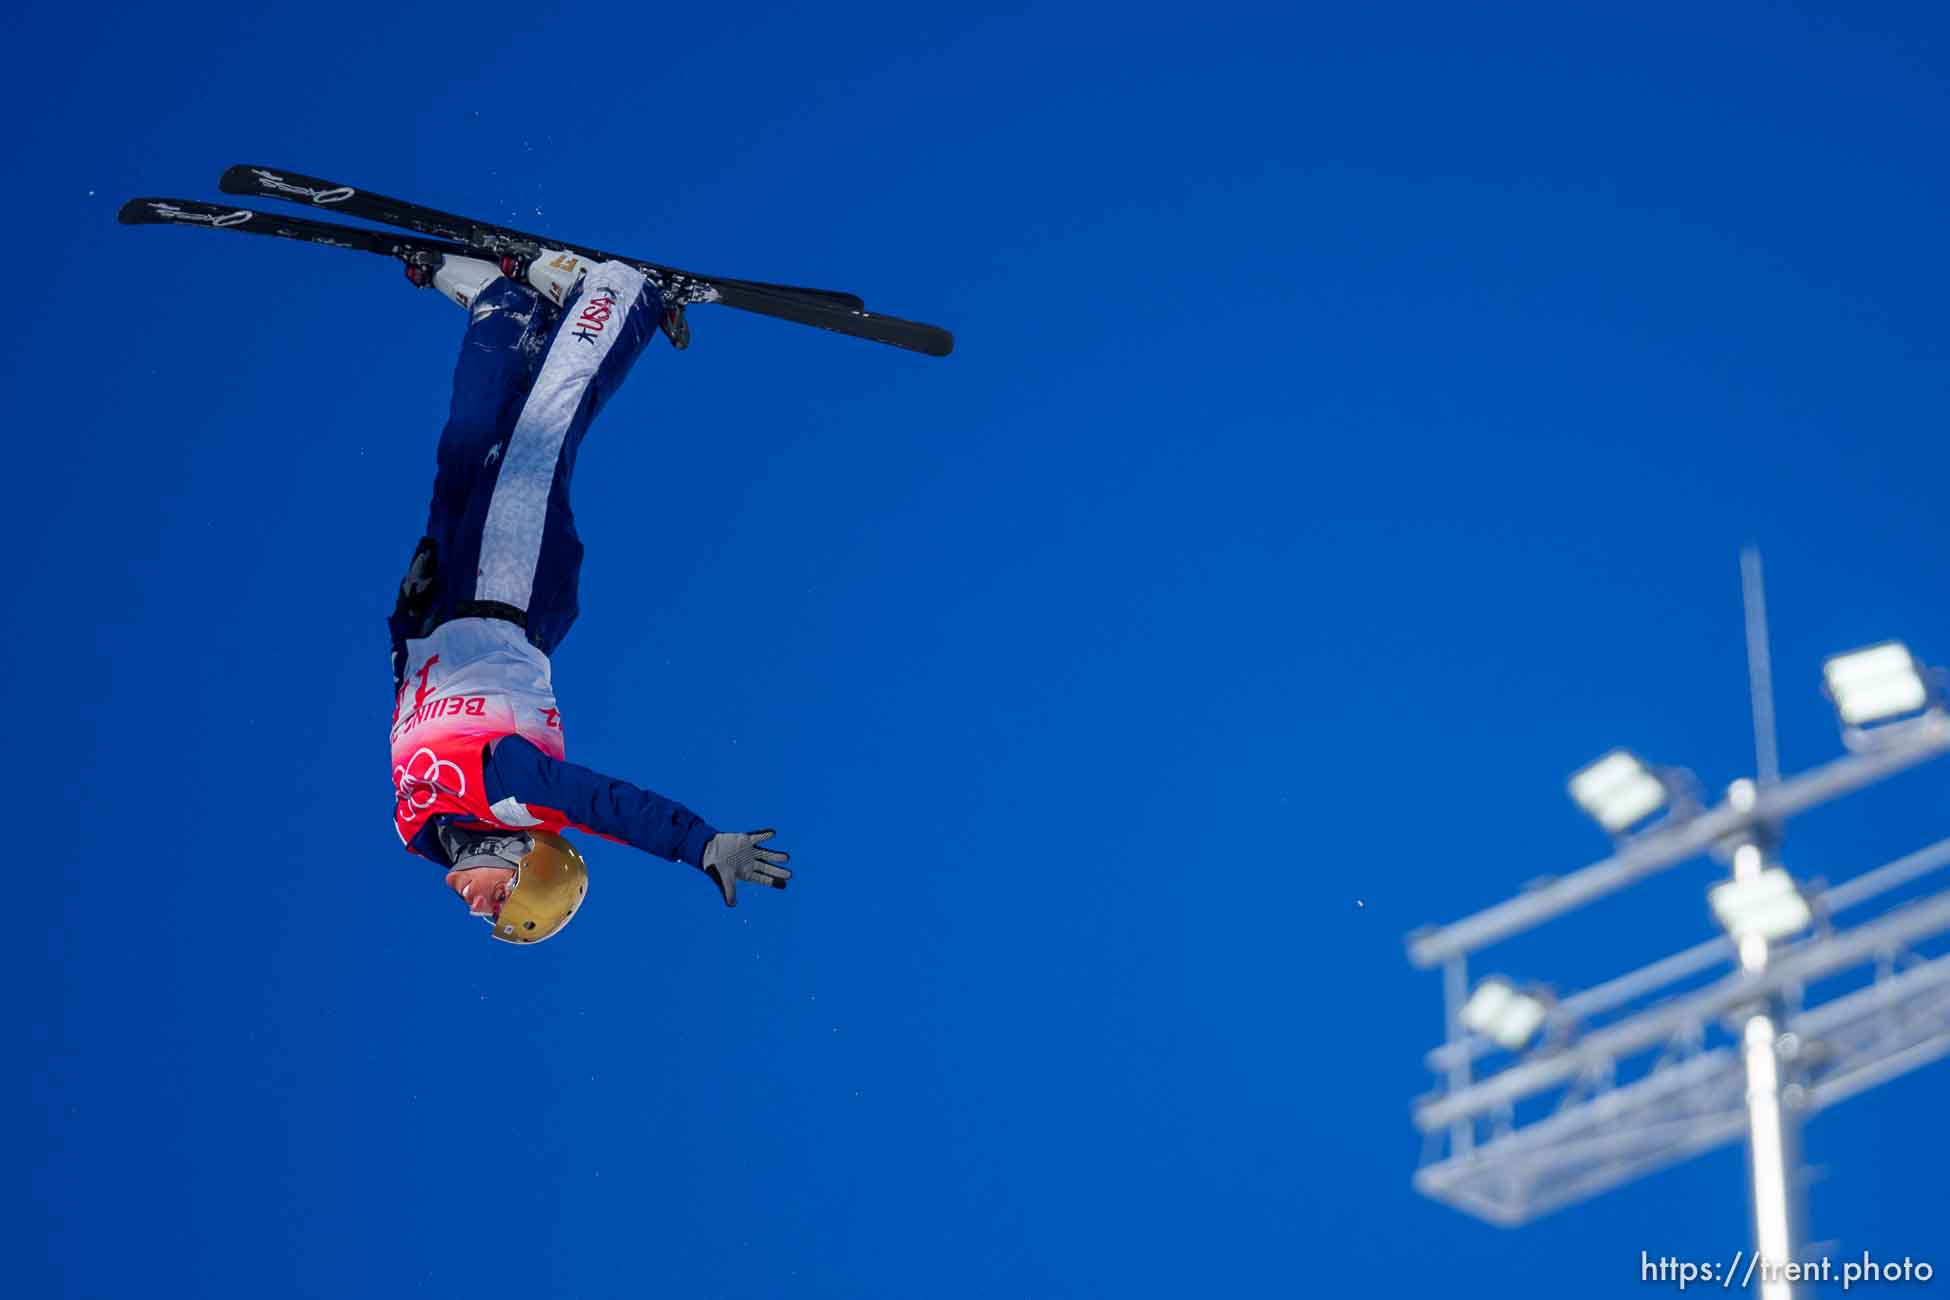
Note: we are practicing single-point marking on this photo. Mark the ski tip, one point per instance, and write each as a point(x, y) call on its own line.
point(293, 187)
point(247, 178)
point(177, 212)
point(928, 340)
point(183, 212)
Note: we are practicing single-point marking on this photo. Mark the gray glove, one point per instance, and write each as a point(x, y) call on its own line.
point(731, 856)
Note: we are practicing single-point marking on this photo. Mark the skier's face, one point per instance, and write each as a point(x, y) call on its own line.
point(483, 889)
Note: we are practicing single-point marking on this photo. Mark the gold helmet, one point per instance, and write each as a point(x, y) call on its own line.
point(550, 884)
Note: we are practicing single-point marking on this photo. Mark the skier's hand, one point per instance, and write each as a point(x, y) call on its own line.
point(730, 857)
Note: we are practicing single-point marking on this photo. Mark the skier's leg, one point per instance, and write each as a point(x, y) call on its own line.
point(527, 553)
point(508, 329)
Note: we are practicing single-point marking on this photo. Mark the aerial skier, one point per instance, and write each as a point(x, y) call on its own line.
point(481, 782)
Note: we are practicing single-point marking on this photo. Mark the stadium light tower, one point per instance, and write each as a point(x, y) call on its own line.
point(1600, 1087)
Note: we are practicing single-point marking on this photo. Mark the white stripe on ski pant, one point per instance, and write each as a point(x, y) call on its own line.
point(511, 540)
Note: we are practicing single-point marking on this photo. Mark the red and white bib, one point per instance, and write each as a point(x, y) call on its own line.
point(467, 683)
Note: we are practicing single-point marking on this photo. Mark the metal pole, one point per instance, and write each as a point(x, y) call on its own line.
point(1769, 1134)
point(1772, 1155)
point(1760, 668)
point(1771, 1159)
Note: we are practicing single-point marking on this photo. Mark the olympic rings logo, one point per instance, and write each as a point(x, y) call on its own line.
point(417, 790)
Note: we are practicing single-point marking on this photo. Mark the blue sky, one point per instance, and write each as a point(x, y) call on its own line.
point(1356, 417)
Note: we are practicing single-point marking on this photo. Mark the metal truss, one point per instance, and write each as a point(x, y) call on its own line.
point(1594, 1133)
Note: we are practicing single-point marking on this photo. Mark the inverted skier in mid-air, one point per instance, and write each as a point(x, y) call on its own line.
point(480, 779)
point(481, 785)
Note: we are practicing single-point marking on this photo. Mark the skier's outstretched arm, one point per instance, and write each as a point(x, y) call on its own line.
point(516, 769)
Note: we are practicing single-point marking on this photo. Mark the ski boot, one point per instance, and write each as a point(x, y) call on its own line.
point(420, 268)
point(553, 272)
point(675, 326)
point(459, 278)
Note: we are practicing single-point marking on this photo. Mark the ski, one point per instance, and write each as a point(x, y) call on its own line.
point(829, 309)
point(483, 236)
point(213, 216)
point(419, 250)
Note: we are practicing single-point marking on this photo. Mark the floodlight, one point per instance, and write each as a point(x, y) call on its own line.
point(1500, 1013)
point(1618, 790)
point(1875, 684)
point(1767, 906)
